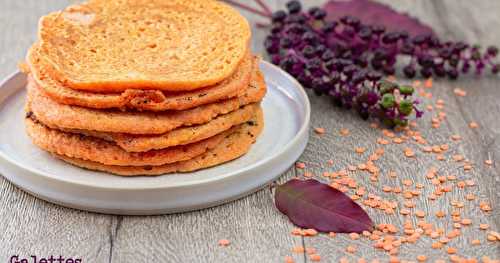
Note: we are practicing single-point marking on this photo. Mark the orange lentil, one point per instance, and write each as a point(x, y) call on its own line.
point(484, 226)
point(436, 245)
point(459, 92)
point(386, 188)
point(343, 260)
point(344, 132)
point(394, 259)
point(397, 190)
point(319, 130)
point(362, 260)
point(456, 137)
point(397, 140)
point(427, 149)
point(467, 167)
point(475, 242)
point(409, 152)
point(488, 162)
point(360, 150)
point(310, 232)
point(354, 236)
point(434, 234)
point(466, 221)
point(350, 249)
point(455, 258)
point(473, 125)
point(428, 83)
point(315, 257)
point(421, 258)
point(420, 213)
point(300, 165)
point(224, 242)
point(491, 238)
point(289, 259)
point(297, 231)
point(457, 225)
point(451, 250)
point(404, 212)
point(439, 261)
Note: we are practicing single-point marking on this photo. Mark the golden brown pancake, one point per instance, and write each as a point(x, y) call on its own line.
point(153, 100)
point(90, 148)
point(63, 116)
point(179, 136)
point(231, 147)
point(115, 45)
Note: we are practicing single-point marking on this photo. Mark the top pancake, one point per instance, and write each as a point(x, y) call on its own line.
point(114, 45)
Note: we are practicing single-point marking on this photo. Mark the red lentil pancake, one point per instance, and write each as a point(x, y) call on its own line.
point(90, 148)
point(234, 145)
point(54, 114)
point(179, 136)
point(140, 99)
point(115, 45)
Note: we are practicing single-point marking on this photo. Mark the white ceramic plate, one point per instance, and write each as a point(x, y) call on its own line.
point(286, 110)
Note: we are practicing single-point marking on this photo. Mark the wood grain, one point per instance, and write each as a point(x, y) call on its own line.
point(258, 233)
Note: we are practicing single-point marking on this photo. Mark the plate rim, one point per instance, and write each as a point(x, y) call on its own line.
point(300, 134)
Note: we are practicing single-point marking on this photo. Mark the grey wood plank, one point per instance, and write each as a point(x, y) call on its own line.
point(256, 231)
point(480, 105)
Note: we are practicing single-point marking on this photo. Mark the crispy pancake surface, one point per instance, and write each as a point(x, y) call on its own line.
point(115, 45)
point(140, 99)
point(98, 150)
point(62, 116)
point(234, 145)
point(179, 136)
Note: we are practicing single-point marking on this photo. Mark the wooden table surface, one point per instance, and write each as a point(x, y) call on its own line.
point(257, 231)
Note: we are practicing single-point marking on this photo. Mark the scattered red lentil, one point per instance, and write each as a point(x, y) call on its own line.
point(310, 232)
point(344, 132)
point(224, 242)
point(319, 130)
point(350, 249)
point(300, 165)
point(451, 250)
point(473, 125)
point(459, 92)
point(315, 257)
point(484, 226)
point(409, 152)
point(421, 258)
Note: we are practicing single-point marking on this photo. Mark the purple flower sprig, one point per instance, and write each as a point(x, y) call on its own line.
point(334, 62)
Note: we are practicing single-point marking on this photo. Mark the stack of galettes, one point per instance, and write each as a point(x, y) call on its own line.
point(144, 87)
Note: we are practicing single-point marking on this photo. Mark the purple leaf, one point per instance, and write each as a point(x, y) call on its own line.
point(311, 204)
point(370, 12)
